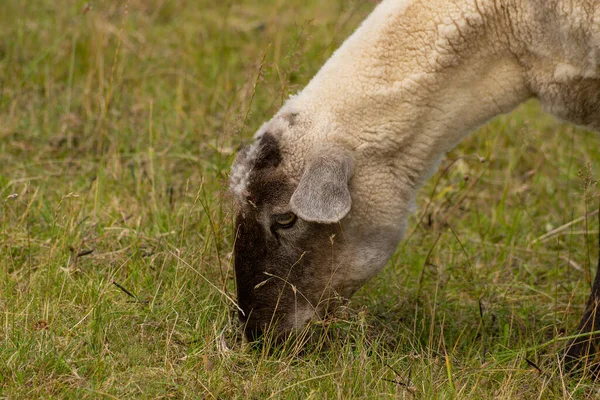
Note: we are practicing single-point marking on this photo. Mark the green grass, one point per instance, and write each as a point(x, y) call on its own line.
point(117, 129)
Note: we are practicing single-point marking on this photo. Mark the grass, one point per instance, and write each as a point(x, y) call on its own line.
point(118, 124)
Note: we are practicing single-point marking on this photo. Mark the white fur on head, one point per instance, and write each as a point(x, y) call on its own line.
point(247, 157)
point(240, 171)
point(243, 165)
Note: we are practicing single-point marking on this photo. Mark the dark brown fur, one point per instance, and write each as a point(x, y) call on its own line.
point(268, 260)
point(269, 154)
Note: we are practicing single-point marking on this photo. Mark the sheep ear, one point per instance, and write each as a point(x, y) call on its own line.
point(322, 194)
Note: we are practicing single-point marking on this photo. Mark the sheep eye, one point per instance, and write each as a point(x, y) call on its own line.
point(286, 220)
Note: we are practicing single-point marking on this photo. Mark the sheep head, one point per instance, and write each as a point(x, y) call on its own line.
point(296, 254)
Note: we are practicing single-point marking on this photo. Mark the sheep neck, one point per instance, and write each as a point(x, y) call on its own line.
point(417, 77)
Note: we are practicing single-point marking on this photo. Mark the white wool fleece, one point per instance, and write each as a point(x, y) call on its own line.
point(417, 76)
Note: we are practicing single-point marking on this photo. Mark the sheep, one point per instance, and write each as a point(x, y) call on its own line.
point(324, 190)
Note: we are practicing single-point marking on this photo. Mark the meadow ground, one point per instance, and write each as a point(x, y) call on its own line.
point(118, 124)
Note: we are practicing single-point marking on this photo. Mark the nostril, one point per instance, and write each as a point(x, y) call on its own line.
point(253, 333)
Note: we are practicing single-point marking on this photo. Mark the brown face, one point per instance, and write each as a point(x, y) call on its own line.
point(282, 275)
point(283, 264)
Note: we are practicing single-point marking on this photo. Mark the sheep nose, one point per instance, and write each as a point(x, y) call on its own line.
point(253, 333)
